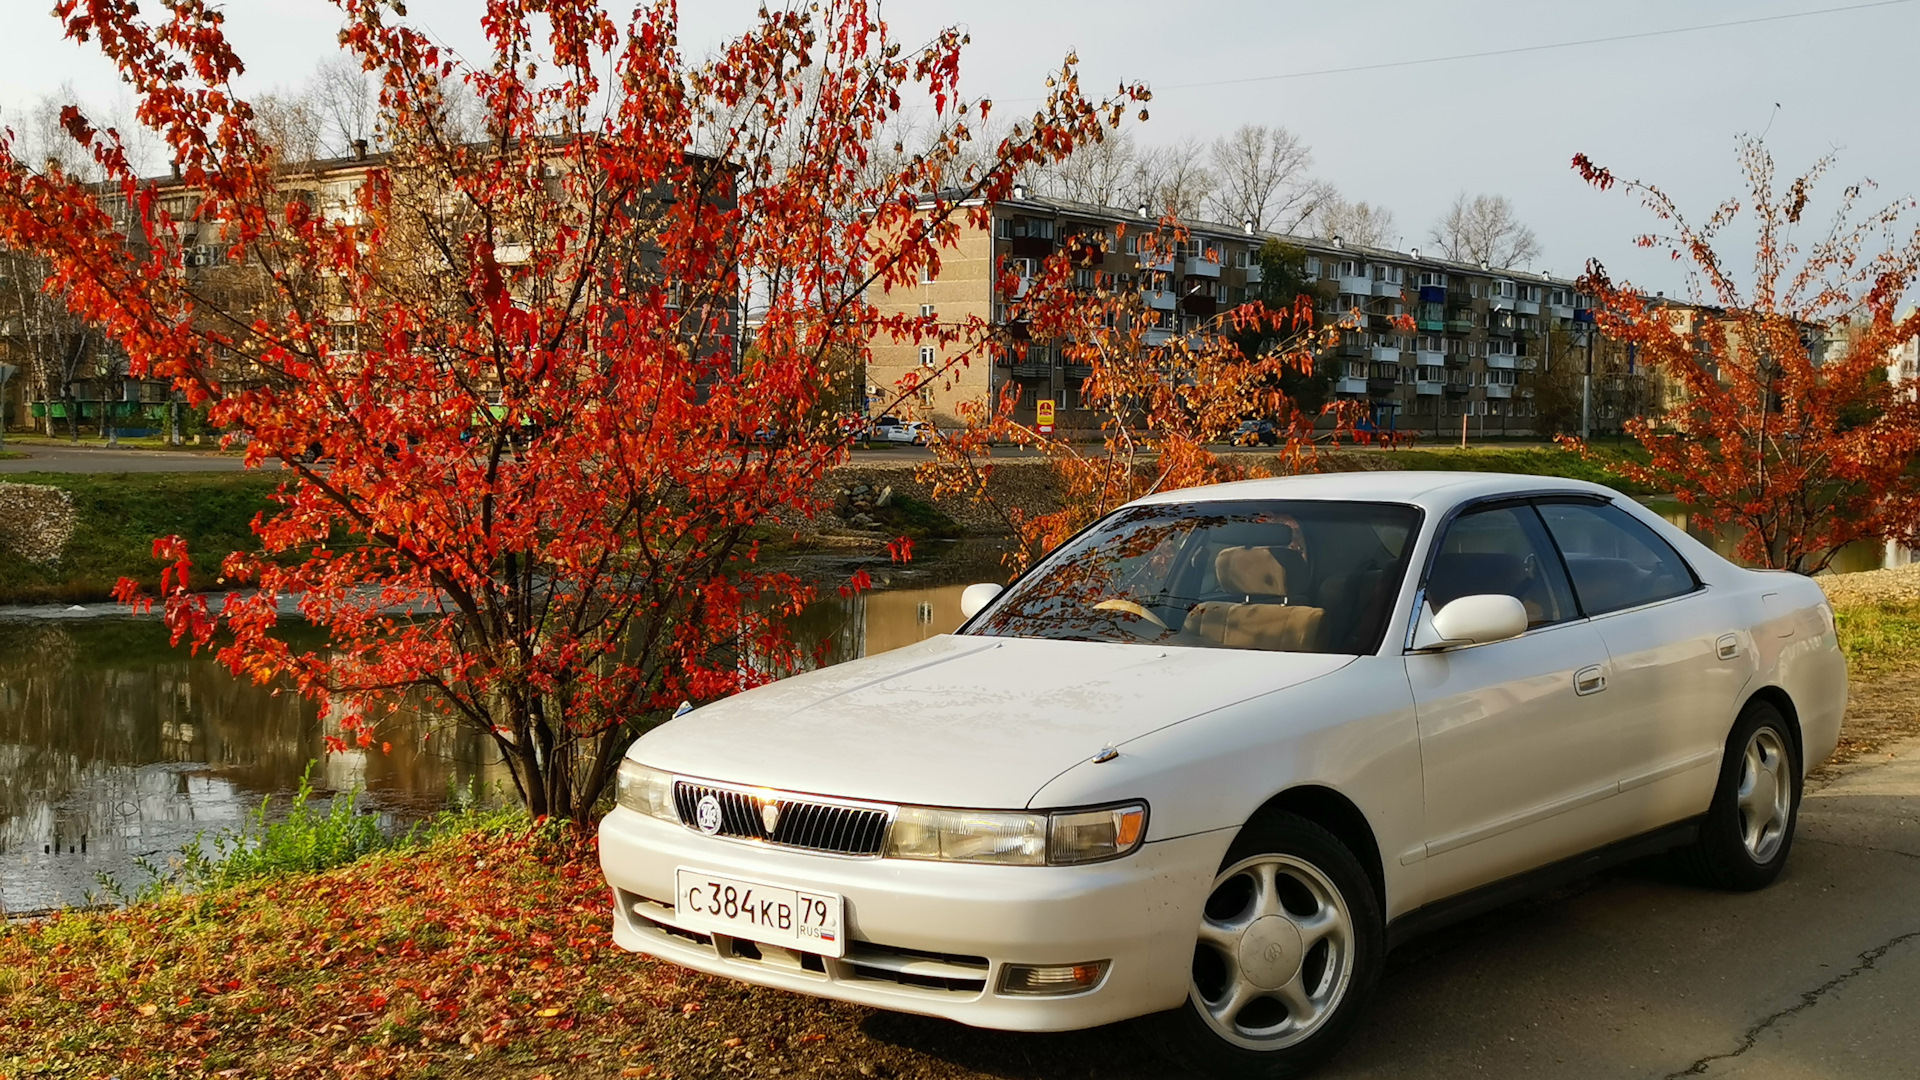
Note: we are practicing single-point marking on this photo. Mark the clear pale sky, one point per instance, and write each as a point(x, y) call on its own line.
point(1664, 108)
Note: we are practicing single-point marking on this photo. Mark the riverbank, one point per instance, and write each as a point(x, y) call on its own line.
point(104, 525)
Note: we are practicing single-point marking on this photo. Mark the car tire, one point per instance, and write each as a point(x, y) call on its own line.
point(1748, 829)
point(1294, 892)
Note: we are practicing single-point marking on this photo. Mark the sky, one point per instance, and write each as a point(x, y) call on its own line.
point(1664, 107)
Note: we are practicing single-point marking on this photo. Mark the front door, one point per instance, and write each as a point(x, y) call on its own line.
point(1518, 746)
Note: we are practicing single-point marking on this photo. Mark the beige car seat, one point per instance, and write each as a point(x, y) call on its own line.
point(1272, 625)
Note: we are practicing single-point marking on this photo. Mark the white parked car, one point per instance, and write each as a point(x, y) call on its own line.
point(1208, 761)
point(915, 432)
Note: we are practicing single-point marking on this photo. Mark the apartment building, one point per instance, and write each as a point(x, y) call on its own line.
point(1481, 335)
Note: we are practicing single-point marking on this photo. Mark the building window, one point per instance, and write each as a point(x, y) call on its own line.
point(926, 356)
point(926, 274)
point(926, 311)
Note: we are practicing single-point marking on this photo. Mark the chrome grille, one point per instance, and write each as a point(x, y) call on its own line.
point(803, 823)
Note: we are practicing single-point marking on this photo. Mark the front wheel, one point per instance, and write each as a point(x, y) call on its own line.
point(1290, 945)
point(1748, 829)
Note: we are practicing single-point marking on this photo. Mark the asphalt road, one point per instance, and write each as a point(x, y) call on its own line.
point(1638, 975)
point(85, 458)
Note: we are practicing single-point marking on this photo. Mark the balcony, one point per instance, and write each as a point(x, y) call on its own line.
point(1032, 371)
point(1160, 299)
point(1349, 385)
point(1499, 390)
point(1427, 389)
point(1455, 389)
point(1500, 296)
point(1384, 354)
point(1157, 336)
point(1079, 371)
point(1560, 311)
point(1200, 306)
point(1254, 274)
point(1500, 329)
point(1434, 325)
point(1381, 387)
point(1460, 323)
point(1164, 263)
point(1458, 359)
point(1429, 358)
point(1501, 361)
point(1383, 287)
point(1359, 285)
point(1526, 307)
point(1200, 266)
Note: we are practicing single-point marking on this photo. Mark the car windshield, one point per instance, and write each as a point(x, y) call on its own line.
point(1293, 576)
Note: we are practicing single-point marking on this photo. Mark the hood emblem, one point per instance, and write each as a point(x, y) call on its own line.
point(707, 815)
point(770, 816)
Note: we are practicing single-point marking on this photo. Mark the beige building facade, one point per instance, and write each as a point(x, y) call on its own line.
point(1482, 336)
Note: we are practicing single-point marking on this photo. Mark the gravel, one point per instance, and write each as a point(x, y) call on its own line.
point(1898, 585)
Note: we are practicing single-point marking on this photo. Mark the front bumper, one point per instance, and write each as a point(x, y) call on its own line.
point(932, 938)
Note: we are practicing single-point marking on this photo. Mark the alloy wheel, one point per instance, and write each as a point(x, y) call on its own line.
point(1276, 952)
point(1765, 795)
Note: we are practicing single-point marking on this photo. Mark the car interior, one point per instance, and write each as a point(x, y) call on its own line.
point(1261, 580)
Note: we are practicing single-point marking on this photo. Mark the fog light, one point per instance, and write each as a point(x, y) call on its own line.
point(1047, 979)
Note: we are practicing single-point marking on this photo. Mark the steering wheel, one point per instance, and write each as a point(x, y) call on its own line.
point(1130, 607)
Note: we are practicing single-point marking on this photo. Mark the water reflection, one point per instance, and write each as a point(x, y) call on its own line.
point(1863, 555)
point(116, 746)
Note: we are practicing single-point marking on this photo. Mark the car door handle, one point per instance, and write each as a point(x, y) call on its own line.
point(1728, 646)
point(1589, 680)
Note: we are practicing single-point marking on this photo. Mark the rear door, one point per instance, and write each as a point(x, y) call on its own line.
point(1678, 661)
point(1519, 748)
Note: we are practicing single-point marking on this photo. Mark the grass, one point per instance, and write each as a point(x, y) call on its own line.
point(1527, 460)
point(305, 840)
point(1878, 637)
point(117, 519)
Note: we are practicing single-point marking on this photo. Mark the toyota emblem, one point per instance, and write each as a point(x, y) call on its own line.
point(770, 816)
point(707, 815)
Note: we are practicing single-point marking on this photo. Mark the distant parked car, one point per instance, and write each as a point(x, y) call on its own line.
point(1208, 761)
point(915, 432)
point(1256, 431)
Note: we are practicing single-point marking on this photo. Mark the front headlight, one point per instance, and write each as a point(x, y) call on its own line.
point(1012, 838)
point(646, 791)
point(923, 832)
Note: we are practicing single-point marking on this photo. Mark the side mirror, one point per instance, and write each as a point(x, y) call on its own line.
point(975, 597)
point(1471, 620)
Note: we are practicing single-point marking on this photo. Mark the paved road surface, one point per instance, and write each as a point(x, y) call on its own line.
point(99, 459)
point(1636, 975)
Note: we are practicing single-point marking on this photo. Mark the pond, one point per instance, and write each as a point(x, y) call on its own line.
point(1853, 557)
point(116, 747)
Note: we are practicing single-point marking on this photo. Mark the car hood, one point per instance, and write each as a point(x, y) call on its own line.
point(961, 721)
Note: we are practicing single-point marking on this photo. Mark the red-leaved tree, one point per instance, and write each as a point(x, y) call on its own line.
point(1165, 401)
point(1786, 425)
point(532, 445)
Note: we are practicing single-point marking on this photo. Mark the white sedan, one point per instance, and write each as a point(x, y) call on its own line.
point(1208, 761)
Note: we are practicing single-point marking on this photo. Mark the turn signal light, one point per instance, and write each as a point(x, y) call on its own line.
point(1042, 980)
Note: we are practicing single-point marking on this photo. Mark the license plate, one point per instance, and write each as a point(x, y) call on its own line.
point(757, 911)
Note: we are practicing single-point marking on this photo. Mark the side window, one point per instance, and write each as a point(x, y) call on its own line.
point(1615, 561)
point(1502, 549)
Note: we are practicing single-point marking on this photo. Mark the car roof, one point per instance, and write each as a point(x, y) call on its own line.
point(1430, 489)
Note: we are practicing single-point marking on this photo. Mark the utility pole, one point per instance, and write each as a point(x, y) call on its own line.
point(7, 372)
point(1586, 389)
